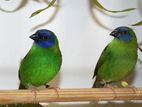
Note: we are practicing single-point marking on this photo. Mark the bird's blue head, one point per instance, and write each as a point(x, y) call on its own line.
point(44, 38)
point(123, 33)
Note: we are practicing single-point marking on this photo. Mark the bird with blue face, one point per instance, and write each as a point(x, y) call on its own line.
point(118, 59)
point(42, 62)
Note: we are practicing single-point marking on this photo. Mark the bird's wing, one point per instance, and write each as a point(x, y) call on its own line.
point(20, 65)
point(21, 86)
point(102, 59)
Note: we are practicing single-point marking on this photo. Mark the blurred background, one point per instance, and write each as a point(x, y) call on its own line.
point(83, 32)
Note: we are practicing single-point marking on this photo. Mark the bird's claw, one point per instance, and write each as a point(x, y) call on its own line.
point(34, 90)
point(54, 88)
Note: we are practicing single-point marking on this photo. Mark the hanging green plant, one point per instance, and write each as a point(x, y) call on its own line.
point(113, 11)
point(137, 24)
point(95, 2)
point(41, 10)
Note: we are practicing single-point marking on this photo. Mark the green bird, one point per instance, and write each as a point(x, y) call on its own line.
point(42, 62)
point(118, 59)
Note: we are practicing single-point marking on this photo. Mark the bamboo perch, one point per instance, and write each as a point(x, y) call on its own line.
point(66, 95)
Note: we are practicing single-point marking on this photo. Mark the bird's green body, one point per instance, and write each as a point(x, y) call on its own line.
point(40, 65)
point(117, 61)
point(120, 59)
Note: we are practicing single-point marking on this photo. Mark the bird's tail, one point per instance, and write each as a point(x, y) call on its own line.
point(22, 86)
point(97, 84)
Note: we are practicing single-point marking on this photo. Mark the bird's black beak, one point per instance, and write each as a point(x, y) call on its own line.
point(114, 33)
point(34, 37)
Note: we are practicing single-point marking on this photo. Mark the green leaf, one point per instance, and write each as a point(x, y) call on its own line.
point(37, 12)
point(138, 24)
point(41, 10)
point(113, 11)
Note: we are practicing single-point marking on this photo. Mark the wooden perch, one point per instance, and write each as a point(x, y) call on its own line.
point(66, 95)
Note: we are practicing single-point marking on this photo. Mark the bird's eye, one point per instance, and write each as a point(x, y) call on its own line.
point(125, 32)
point(44, 38)
point(40, 37)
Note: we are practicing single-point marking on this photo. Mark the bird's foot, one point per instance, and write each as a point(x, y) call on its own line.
point(110, 85)
point(112, 89)
point(54, 88)
point(106, 85)
point(34, 90)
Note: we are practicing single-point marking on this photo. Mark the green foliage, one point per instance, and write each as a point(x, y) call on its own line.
point(113, 11)
point(94, 1)
point(41, 10)
point(138, 24)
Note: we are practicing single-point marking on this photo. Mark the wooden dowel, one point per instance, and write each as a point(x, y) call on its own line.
point(67, 95)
